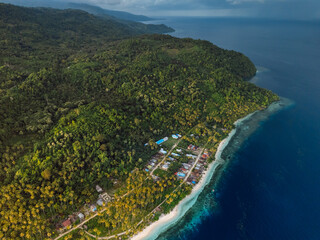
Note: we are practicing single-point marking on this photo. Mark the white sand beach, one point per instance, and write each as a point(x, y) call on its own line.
point(165, 221)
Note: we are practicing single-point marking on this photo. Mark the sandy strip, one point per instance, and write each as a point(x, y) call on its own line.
point(165, 221)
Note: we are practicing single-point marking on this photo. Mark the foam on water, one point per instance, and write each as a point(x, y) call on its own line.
point(244, 128)
point(210, 202)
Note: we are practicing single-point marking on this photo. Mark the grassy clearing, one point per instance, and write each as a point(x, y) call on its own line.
point(169, 143)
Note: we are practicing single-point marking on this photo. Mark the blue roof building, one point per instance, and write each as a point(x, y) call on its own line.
point(162, 140)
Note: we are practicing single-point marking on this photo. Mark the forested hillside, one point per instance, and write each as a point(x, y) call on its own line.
point(81, 6)
point(36, 35)
point(77, 105)
point(101, 11)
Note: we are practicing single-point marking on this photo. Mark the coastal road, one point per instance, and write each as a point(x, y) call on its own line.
point(185, 179)
point(87, 220)
point(96, 214)
point(199, 156)
point(93, 216)
point(78, 226)
point(194, 165)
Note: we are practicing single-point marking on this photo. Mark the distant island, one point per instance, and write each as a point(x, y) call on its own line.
point(105, 126)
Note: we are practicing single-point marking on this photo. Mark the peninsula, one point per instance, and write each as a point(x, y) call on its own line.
point(103, 130)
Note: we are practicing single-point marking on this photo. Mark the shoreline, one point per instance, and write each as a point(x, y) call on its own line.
point(152, 231)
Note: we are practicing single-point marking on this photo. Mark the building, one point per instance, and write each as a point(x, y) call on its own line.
point(105, 197)
point(93, 208)
point(191, 156)
point(184, 170)
point(165, 166)
point(155, 178)
point(162, 140)
point(100, 202)
point(99, 189)
point(186, 165)
point(181, 175)
point(205, 156)
point(192, 147)
point(66, 223)
point(157, 209)
point(162, 151)
point(81, 216)
point(174, 136)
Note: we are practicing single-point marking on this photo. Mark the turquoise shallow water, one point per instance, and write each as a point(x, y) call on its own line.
point(270, 190)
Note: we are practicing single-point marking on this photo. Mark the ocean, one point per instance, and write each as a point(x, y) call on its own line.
point(270, 188)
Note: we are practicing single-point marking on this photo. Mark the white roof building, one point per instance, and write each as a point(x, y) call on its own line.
point(165, 167)
point(175, 136)
point(81, 216)
point(99, 189)
point(100, 202)
point(163, 151)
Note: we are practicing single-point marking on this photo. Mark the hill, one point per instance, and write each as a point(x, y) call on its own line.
point(78, 102)
point(101, 11)
point(45, 32)
point(80, 6)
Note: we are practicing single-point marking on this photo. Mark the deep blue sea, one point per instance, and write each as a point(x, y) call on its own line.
point(271, 188)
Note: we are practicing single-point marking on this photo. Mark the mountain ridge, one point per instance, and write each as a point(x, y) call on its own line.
point(96, 10)
point(56, 29)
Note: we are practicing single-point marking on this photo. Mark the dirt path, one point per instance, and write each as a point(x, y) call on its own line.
point(79, 225)
point(166, 156)
point(96, 214)
point(185, 179)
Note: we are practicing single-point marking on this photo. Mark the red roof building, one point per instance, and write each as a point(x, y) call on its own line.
point(66, 223)
point(205, 156)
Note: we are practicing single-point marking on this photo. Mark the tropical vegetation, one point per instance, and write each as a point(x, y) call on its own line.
point(79, 98)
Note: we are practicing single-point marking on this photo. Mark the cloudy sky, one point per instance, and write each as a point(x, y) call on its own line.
point(296, 9)
point(284, 9)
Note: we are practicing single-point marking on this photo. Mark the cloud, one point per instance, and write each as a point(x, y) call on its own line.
point(275, 9)
point(286, 9)
point(202, 13)
point(106, 2)
point(235, 2)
